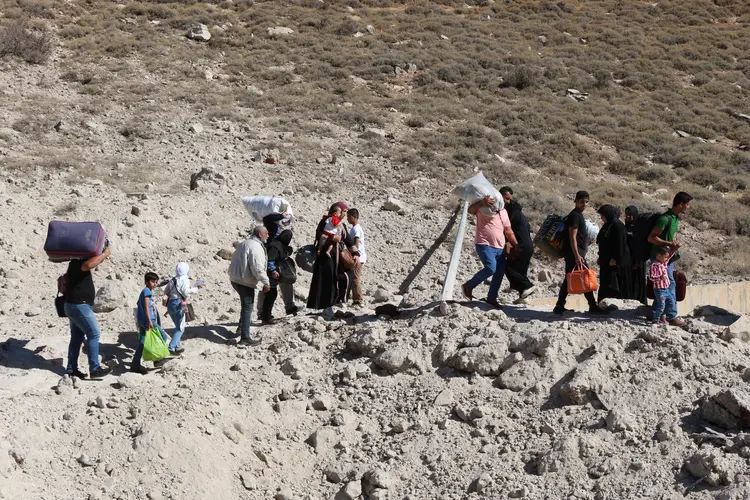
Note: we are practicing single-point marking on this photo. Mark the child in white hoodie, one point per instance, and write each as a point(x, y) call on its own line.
point(177, 291)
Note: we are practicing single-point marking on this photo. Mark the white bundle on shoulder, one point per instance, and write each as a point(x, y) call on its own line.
point(592, 231)
point(260, 206)
point(477, 188)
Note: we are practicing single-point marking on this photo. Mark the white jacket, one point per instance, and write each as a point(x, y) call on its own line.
point(249, 261)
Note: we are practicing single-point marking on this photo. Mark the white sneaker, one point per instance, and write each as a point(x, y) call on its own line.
point(528, 292)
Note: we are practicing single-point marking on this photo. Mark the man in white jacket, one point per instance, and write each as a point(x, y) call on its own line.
point(246, 271)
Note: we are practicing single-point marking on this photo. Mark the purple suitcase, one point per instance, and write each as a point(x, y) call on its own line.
point(74, 240)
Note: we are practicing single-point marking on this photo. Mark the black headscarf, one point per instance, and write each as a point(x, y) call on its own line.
point(633, 211)
point(610, 213)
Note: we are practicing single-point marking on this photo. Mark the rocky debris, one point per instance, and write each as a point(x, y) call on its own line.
point(136, 211)
point(351, 491)
point(109, 297)
point(248, 480)
point(480, 484)
point(729, 409)
point(620, 420)
point(86, 461)
point(376, 479)
point(199, 32)
point(280, 31)
point(476, 354)
point(324, 439)
point(376, 133)
point(270, 156)
point(295, 366)
point(395, 205)
point(739, 330)
point(32, 312)
point(284, 493)
point(370, 29)
point(382, 295)
point(445, 398)
point(714, 467)
point(206, 178)
point(196, 128)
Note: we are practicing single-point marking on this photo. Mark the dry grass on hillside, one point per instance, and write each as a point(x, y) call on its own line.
point(491, 78)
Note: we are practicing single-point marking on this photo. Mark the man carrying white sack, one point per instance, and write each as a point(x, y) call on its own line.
point(494, 238)
point(274, 212)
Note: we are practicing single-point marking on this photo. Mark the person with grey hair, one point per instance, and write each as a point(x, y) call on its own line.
point(247, 271)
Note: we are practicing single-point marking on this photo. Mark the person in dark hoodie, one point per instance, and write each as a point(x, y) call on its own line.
point(614, 256)
point(517, 265)
point(278, 250)
point(638, 268)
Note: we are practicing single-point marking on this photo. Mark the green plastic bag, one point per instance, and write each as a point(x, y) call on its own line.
point(154, 347)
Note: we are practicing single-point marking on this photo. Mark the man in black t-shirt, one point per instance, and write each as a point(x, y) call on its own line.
point(574, 251)
point(79, 308)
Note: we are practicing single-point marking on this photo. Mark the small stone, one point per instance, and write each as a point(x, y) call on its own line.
point(400, 425)
point(235, 368)
point(135, 211)
point(320, 404)
point(371, 29)
point(101, 402)
point(203, 241)
point(86, 461)
point(545, 276)
point(519, 493)
point(34, 311)
point(196, 128)
point(248, 480)
point(445, 398)
point(280, 31)
point(284, 493)
point(352, 491)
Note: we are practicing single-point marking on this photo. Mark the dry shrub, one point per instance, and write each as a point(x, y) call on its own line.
point(521, 77)
point(31, 43)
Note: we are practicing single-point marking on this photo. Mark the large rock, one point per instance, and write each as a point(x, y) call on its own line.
point(480, 356)
point(206, 178)
point(728, 409)
point(199, 32)
point(399, 360)
point(280, 31)
point(367, 341)
point(109, 297)
point(740, 329)
point(588, 381)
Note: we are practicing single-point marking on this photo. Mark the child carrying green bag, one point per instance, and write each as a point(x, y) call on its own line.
point(152, 340)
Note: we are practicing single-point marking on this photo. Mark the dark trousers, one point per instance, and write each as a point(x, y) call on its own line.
point(247, 298)
point(269, 298)
point(570, 264)
point(516, 270)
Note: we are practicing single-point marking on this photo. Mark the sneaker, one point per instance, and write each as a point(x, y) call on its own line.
point(249, 342)
point(269, 322)
point(598, 311)
point(467, 291)
point(494, 303)
point(139, 369)
point(78, 374)
point(676, 322)
point(527, 293)
point(100, 372)
point(179, 350)
point(560, 310)
point(161, 362)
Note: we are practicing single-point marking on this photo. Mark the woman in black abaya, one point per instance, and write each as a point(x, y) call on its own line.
point(330, 281)
point(638, 279)
point(614, 256)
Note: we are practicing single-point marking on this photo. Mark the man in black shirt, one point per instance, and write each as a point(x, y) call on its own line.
point(574, 251)
point(79, 308)
point(517, 265)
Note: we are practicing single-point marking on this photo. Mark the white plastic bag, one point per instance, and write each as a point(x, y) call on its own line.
point(260, 206)
point(592, 231)
point(478, 187)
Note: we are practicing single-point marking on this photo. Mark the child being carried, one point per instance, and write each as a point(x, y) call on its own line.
point(333, 228)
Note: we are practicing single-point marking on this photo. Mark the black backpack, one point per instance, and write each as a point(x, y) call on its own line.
point(642, 227)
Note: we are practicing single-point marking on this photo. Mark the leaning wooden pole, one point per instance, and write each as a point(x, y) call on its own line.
point(450, 276)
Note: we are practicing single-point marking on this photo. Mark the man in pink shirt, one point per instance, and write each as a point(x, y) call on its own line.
point(494, 240)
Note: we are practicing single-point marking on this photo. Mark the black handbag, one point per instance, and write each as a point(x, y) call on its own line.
point(62, 287)
point(287, 270)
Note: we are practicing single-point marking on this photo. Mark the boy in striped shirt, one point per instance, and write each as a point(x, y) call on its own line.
point(659, 276)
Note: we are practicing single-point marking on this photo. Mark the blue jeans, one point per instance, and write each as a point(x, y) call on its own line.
point(175, 311)
point(494, 265)
point(83, 325)
point(670, 302)
point(141, 340)
point(662, 302)
point(247, 299)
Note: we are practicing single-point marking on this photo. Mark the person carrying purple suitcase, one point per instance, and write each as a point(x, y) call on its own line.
point(79, 308)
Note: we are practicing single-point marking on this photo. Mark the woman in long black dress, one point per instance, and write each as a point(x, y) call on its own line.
point(638, 268)
point(331, 281)
point(614, 256)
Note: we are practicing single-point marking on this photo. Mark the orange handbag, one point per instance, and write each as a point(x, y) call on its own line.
point(582, 280)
